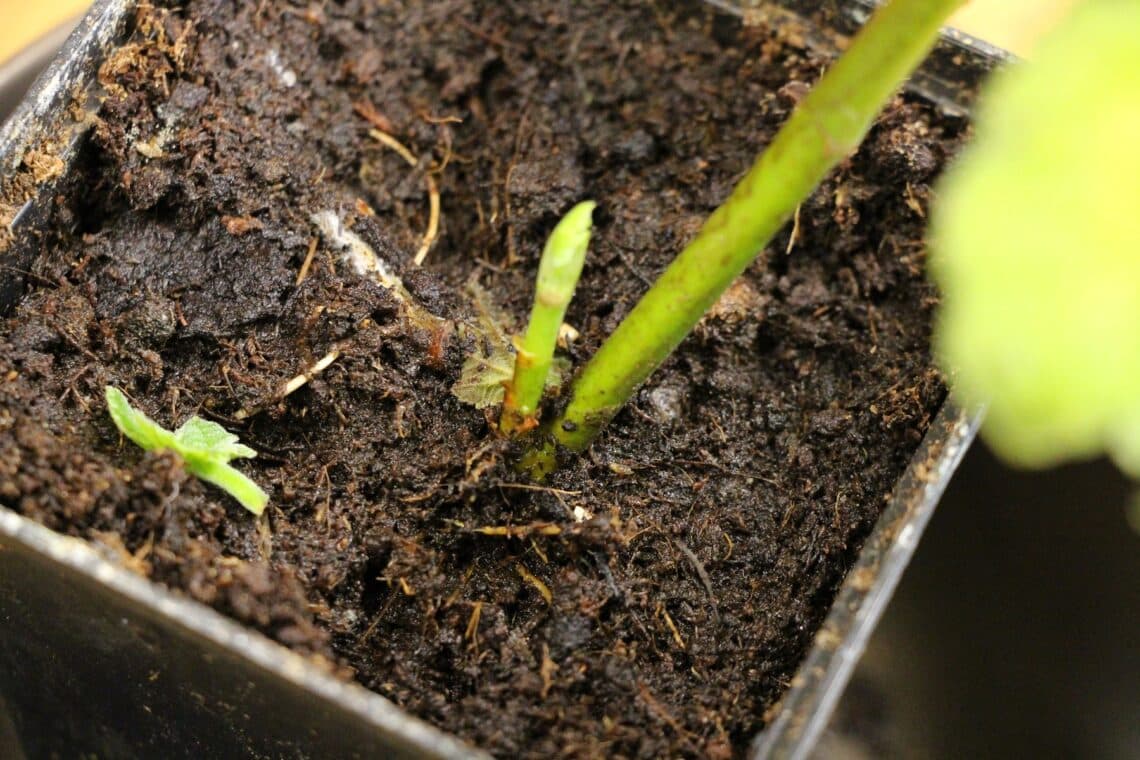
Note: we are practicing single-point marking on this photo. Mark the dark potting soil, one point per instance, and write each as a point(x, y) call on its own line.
point(652, 599)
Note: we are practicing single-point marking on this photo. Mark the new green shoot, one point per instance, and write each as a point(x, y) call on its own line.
point(826, 127)
point(206, 448)
point(558, 272)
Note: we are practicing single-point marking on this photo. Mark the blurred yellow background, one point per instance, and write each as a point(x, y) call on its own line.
point(22, 22)
point(1012, 24)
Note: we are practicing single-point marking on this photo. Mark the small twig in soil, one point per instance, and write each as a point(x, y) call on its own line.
point(494, 39)
point(298, 382)
point(322, 514)
point(523, 123)
point(731, 546)
point(433, 220)
point(224, 371)
point(72, 341)
point(795, 236)
point(433, 119)
point(367, 111)
point(702, 574)
point(432, 189)
point(913, 203)
point(291, 386)
point(547, 670)
point(472, 632)
point(448, 150)
point(402, 150)
point(42, 280)
point(182, 321)
point(726, 470)
point(787, 515)
point(579, 78)
point(454, 597)
point(376, 620)
point(476, 456)
point(634, 270)
point(541, 554)
point(416, 498)
point(308, 262)
point(533, 487)
point(363, 208)
point(533, 580)
point(835, 508)
point(264, 537)
point(671, 625)
point(367, 264)
point(519, 531)
point(74, 392)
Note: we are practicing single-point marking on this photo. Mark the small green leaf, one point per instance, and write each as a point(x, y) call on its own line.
point(142, 430)
point(205, 447)
point(481, 379)
point(204, 435)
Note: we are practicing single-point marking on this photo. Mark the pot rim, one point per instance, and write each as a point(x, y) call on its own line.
point(223, 633)
point(805, 709)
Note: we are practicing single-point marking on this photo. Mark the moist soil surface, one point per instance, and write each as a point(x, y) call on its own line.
point(654, 597)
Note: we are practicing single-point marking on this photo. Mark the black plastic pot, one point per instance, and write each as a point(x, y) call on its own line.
point(97, 661)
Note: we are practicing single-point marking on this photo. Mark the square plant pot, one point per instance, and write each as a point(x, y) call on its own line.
point(95, 659)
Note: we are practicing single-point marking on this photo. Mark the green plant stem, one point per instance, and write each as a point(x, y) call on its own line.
point(231, 480)
point(826, 127)
point(558, 272)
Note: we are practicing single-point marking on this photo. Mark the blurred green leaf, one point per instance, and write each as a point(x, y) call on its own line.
point(1036, 247)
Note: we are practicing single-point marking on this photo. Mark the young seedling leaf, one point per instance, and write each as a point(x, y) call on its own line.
point(205, 447)
point(481, 381)
point(204, 435)
point(140, 429)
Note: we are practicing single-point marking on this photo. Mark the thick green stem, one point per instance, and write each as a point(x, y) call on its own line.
point(558, 272)
point(826, 127)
